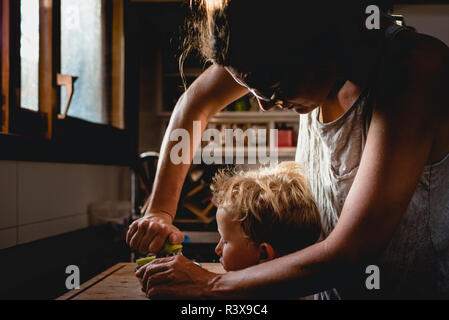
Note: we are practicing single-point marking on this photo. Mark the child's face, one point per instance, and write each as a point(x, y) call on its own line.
point(236, 252)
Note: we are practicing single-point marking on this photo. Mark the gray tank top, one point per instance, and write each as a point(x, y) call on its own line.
point(416, 261)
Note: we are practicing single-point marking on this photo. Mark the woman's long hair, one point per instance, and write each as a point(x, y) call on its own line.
point(266, 34)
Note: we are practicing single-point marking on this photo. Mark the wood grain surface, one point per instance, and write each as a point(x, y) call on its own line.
point(118, 283)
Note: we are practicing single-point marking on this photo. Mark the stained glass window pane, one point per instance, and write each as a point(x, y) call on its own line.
point(82, 56)
point(29, 54)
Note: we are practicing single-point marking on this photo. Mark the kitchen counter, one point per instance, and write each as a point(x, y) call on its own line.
point(118, 283)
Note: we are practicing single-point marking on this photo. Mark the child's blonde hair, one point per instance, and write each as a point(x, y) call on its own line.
point(273, 205)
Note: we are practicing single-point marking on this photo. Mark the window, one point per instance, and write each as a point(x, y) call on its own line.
point(83, 56)
point(59, 53)
point(29, 54)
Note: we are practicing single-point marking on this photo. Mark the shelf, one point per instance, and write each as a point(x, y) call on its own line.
point(186, 74)
point(157, 1)
point(283, 152)
point(282, 116)
point(201, 237)
point(277, 116)
point(287, 152)
point(164, 114)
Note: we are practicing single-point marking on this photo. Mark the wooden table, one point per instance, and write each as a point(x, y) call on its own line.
point(118, 283)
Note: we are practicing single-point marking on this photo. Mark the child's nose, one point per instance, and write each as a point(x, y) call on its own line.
point(218, 249)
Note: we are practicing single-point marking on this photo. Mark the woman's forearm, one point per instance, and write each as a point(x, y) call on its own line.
point(170, 177)
point(209, 94)
point(300, 274)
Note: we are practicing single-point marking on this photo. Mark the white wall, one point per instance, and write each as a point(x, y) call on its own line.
point(40, 200)
point(428, 19)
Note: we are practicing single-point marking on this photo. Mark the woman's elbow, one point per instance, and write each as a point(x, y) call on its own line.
point(191, 106)
point(350, 254)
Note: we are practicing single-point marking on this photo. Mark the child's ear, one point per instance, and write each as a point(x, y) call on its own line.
point(266, 252)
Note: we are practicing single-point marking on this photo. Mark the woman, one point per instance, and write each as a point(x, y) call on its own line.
point(374, 139)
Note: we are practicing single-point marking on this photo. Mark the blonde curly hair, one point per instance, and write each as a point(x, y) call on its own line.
point(272, 204)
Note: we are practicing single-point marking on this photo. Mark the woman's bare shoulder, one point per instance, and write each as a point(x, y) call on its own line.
point(416, 86)
point(412, 61)
point(420, 54)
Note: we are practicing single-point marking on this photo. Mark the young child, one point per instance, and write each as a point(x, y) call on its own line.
point(263, 214)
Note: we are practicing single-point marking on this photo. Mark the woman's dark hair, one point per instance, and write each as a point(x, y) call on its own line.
point(252, 35)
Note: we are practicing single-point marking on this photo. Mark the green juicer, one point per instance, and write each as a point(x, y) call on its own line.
point(168, 250)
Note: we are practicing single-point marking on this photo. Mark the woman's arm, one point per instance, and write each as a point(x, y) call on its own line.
point(398, 146)
point(209, 94)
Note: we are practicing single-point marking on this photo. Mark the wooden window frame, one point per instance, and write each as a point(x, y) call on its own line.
point(42, 136)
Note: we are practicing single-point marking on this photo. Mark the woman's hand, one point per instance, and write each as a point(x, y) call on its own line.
point(176, 277)
point(149, 233)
